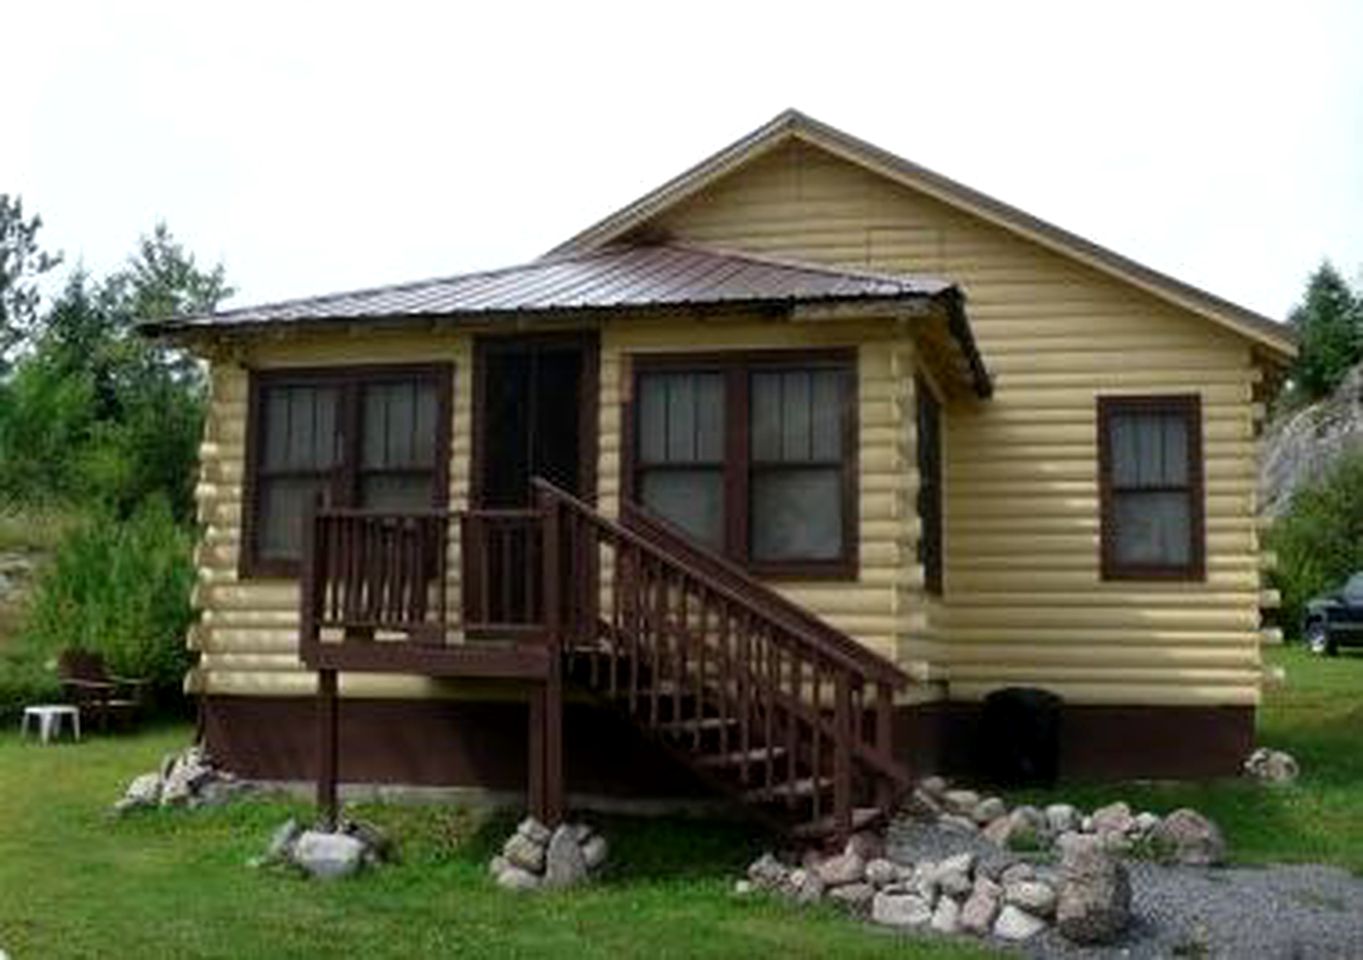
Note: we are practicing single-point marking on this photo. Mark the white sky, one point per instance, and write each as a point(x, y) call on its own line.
point(321, 147)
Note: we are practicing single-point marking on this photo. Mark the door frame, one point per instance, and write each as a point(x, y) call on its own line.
point(589, 346)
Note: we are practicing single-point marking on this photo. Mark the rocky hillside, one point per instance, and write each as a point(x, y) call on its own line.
point(1302, 445)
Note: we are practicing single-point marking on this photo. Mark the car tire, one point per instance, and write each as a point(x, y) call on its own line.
point(1318, 640)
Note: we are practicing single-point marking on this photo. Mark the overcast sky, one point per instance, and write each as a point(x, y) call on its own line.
point(321, 147)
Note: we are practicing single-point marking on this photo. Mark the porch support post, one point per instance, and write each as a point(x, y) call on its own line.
point(327, 747)
point(551, 691)
point(535, 753)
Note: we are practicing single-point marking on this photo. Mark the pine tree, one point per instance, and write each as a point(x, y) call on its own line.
point(1329, 324)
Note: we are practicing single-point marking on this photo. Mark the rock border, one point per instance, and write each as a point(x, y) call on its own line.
point(535, 857)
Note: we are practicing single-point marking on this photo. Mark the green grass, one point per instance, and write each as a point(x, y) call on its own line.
point(1317, 716)
point(75, 883)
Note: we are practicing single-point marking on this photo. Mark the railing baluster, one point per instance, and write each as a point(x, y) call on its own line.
point(702, 616)
point(842, 756)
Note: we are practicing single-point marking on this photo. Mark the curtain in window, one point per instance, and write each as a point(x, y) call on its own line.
point(681, 451)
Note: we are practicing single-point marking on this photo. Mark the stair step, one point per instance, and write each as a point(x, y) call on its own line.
point(702, 724)
point(798, 789)
point(756, 755)
point(824, 826)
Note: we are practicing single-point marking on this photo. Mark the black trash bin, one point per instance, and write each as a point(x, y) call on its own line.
point(1020, 730)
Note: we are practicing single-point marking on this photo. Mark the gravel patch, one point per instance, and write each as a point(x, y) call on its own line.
point(1267, 913)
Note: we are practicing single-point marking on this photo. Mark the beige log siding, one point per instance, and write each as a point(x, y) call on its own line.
point(1024, 602)
point(247, 633)
point(881, 608)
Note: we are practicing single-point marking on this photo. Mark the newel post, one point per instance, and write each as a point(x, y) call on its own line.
point(546, 708)
point(842, 757)
point(328, 719)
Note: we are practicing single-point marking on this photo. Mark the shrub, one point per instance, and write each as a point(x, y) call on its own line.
point(121, 588)
point(1319, 541)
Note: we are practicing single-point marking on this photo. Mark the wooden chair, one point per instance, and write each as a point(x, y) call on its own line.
point(103, 698)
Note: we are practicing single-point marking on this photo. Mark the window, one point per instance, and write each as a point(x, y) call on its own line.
point(1150, 485)
point(375, 437)
point(753, 455)
point(929, 485)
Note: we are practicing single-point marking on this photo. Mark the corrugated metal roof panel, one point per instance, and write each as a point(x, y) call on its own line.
point(611, 278)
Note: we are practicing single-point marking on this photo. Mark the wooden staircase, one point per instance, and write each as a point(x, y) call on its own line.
point(762, 700)
point(757, 696)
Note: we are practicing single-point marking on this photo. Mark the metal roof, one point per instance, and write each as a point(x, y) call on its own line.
point(625, 277)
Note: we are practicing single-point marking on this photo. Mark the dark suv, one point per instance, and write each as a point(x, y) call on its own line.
point(1334, 620)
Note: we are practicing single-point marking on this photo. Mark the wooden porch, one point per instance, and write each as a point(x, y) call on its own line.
point(759, 698)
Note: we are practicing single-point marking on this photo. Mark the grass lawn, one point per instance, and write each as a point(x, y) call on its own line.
point(74, 883)
point(1317, 716)
point(174, 883)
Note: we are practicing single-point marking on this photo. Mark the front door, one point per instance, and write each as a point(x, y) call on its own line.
point(536, 406)
point(534, 416)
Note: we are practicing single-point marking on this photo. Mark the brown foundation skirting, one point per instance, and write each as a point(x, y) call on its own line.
point(483, 744)
point(437, 743)
point(1096, 742)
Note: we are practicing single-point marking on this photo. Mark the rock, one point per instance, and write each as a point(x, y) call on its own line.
point(957, 823)
point(581, 832)
point(842, 868)
point(1272, 766)
point(1086, 824)
point(594, 851)
point(122, 805)
point(988, 810)
point(742, 888)
point(328, 856)
point(497, 864)
point(1145, 822)
point(952, 875)
point(144, 791)
point(946, 918)
point(564, 865)
point(524, 853)
point(1062, 818)
point(854, 896)
point(1017, 873)
point(881, 872)
point(961, 802)
point(1190, 838)
point(1000, 832)
point(514, 878)
point(185, 776)
point(767, 872)
point(1113, 818)
point(1033, 896)
point(534, 831)
point(1094, 901)
point(980, 909)
point(1015, 924)
point(374, 840)
point(804, 885)
point(922, 805)
point(900, 909)
point(935, 787)
point(866, 844)
point(282, 841)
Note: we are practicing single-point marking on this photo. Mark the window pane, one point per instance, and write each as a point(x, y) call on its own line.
point(1149, 449)
point(765, 400)
point(300, 428)
point(691, 499)
point(796, 514)
point(795, 445)
point(826, 423)
point(279, 532)
point(1153, 529)
point(397, 492)
point(398, 425)
point(929, 487)
point(681, 418)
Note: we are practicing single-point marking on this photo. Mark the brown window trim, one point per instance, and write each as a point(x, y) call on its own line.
point(250, 565)
point(735, 365)
point(1188, 406)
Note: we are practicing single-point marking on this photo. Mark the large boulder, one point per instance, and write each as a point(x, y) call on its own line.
point(1301, 447)
point(1187, 837)
point(328, 856)
point(1094, 901)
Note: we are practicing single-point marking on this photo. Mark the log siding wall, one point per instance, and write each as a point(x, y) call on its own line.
point(1024, 602)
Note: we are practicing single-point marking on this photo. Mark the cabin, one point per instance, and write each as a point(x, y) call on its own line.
point(758, 486)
